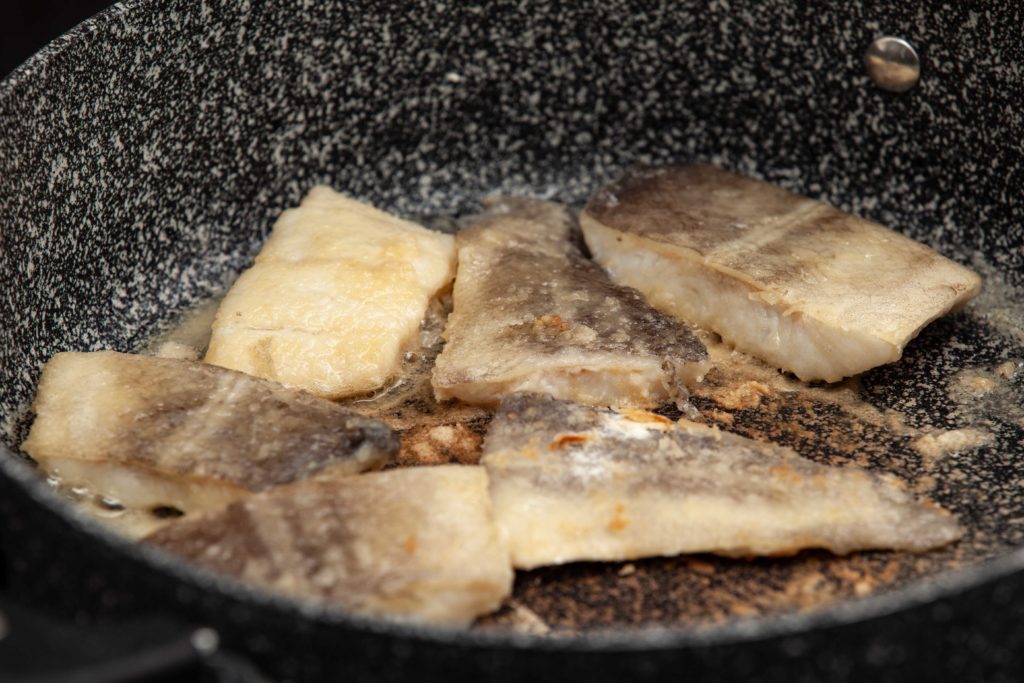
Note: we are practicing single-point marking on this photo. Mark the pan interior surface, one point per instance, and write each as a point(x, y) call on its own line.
point(145, 157)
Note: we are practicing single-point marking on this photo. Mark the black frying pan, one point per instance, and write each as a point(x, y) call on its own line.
point(144, 156)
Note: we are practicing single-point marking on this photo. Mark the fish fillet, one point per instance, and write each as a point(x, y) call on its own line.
point(335, 298)
point(570, 482)
point(531, 313)
point(157, 432)
point(801, 285)
point(415, 544)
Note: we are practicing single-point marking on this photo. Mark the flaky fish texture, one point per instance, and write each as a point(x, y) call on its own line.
point(571, 482)
point(795, 282)
point(415, 544)
point(334, 299)
point(158, 432)
point(531, 313)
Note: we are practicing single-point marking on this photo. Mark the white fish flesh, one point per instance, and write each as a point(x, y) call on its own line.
point(164, 433)
point(571, 482)
point(531, 313)
point(414, 544)
point(803, 286)
point(334, 299)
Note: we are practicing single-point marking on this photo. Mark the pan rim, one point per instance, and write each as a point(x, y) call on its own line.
point(27, 70)
point(745, 630)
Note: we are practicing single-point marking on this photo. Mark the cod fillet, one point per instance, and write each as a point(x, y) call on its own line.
point(571, 482)
point(158, 432)
point(805, 287)
point(414, 544)
point(334, 299)
point(531, 313)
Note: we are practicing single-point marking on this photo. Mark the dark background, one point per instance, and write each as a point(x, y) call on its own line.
point(27, 25)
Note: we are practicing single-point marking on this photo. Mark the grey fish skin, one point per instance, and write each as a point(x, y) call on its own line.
point(152, 432)
point(571, 482)
point(806, 287)
point(531, 313)
point(413, 544)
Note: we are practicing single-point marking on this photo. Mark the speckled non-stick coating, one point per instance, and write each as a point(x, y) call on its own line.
point(144, 156)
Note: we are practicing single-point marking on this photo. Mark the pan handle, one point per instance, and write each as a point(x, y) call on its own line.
point(37, 648)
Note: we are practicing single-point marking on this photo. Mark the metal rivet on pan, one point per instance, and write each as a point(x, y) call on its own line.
point(206, 641)
point(892, 64)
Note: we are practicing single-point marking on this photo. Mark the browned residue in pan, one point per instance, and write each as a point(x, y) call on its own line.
point(432, 433)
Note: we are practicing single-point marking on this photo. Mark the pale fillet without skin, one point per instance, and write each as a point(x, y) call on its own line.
point(801, 285)
point(334, 299)
point(159, 432)
point(416, 544)
point(570, 482)
point(531, 313)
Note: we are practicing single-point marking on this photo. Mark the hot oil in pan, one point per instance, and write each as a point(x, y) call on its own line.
point(948, 420)
point(432, 433)
point(186, 339)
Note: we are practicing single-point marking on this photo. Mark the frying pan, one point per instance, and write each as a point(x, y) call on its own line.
point(145, 155)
